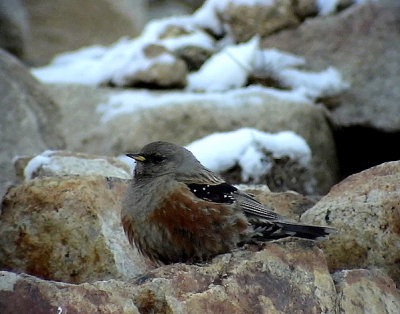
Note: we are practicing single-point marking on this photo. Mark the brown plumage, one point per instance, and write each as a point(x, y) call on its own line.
point(176, 210)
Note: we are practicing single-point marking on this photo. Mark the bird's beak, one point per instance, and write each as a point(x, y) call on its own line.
point(137, 157)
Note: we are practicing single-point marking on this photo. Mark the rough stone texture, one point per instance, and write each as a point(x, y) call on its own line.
point(184, 122)
point(263, 20)
point(62, 163)
point(67, 229)
point(365, 208)
point(284, 277)
point(29, 119)
point(67, 25)
point(159, 74)
point(14, 27)
point(363, 43)
point(366, 291)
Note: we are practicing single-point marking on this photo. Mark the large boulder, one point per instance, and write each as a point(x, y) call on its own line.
point(365, 208)
point(363, 43)
point(288, 276)
point(67, 25)
point(366, 291)
point(67, 229)
point(14, 27)
point(29, 119)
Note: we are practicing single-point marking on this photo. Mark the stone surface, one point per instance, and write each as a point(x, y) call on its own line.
point(363, 43)
point(365, 208)
point(67, 229)
point(366, 291)
point(14, 27)
point(62, 163)
point(67, 25)
point(182, 120)
point(29, 119)
point(284, 277)
point(160, 74)
point(289, 204)
point(263, 20)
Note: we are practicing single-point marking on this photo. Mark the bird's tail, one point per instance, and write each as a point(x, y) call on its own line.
point(280, 229)
point(305, 231)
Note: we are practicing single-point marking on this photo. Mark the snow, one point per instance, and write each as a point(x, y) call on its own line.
point(227, 69)
point(36, 163)
point(326, 7)
point(246, 147)
point(325, 83)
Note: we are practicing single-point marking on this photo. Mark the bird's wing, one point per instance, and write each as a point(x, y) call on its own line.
point(228, 194)
point(253, 208)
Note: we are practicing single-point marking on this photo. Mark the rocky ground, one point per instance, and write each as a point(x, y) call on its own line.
point(62, 247)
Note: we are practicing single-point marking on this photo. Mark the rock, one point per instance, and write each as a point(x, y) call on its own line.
point(287, 276)
point(62, 163)
point(111, 122)
point(363, 43)
point(193, 56)
point(285, 174)
point(246, 21)
point(29, 119)
point(67, 229)
point(27, 294)
point(69, 25)
point(165, 71)
point(14, 27)
point(366, 291)
point(365, 209)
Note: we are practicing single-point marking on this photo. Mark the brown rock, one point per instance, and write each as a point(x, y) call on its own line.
point(366, 291)
point(26, 294)
point(287, 276)
point(365, 208)
point(160, 74)
point(363, 43)
point(68, 229)
point(263, 20)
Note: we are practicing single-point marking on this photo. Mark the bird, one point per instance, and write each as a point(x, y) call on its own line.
point(176, 210)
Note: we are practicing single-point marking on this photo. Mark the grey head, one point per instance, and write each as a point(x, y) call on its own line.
point(162, 158)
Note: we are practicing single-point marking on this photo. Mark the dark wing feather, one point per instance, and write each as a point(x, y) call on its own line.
point(226, 193)
point(220, 193)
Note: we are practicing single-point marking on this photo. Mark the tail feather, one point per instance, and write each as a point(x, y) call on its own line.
point(305, 231)
point(268, 230)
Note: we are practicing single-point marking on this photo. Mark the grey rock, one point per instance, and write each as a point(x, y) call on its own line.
point(62, 26)
point(29, 119)
point(14, 27)
point(62, 163)
point(363, 43)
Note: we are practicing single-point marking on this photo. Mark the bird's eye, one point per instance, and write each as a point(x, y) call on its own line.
point(156, 158)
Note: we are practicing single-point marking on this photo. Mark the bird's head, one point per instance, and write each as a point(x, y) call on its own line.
point(160, 158)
